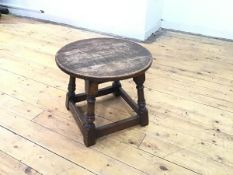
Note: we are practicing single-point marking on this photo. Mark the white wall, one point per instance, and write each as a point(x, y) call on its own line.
point(127, 18)
point(153, 16)
point(207, 17)
point(136, 19)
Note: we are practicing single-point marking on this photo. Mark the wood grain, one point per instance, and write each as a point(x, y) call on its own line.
point(9, 165)
point(103, 59)
point(189, 91)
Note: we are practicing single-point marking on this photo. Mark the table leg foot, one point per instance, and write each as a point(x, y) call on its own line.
point(89, 134)
point(144, 120)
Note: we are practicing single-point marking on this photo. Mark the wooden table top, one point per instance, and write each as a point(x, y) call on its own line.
point(103, 59)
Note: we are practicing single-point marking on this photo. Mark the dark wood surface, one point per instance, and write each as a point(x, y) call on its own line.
point(86, 120)
point(103, 59)
point(99, 60)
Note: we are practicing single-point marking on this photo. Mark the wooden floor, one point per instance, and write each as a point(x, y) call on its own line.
point(189, 92)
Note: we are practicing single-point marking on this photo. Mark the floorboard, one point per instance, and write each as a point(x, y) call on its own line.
point(189, 94)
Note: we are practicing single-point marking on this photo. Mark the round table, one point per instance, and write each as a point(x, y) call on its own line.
point(100, 60)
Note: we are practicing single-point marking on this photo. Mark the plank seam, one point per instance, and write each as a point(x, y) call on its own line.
point(90, 147)
point(194, 77)
point(47, 149)
point(21, 162)
point(170, 161)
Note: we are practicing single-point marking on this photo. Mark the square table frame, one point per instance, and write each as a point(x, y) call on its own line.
point(86, 122)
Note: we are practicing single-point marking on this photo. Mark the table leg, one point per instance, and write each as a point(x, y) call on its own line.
point(143, 112)
point(116, 85)
point(71, 91)
point(89, 128)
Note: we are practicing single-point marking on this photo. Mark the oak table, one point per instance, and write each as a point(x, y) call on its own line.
point(100, 60)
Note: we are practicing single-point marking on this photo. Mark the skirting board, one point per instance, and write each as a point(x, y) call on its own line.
point(228, 35)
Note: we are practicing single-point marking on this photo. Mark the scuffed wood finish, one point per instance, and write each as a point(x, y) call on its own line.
point(100, 60)
point(188, 92)
point(9, 165)
point(103, 59)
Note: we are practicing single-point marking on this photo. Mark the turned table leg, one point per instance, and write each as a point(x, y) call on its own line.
point(142, 111)
point(116, 85)
point(71, 91)
point(91, 89)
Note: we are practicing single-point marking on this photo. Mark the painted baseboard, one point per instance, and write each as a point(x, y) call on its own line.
point(152, 30)
point(203, 30)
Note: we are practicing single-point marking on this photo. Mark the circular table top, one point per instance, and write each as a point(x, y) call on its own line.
point(103, 59)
